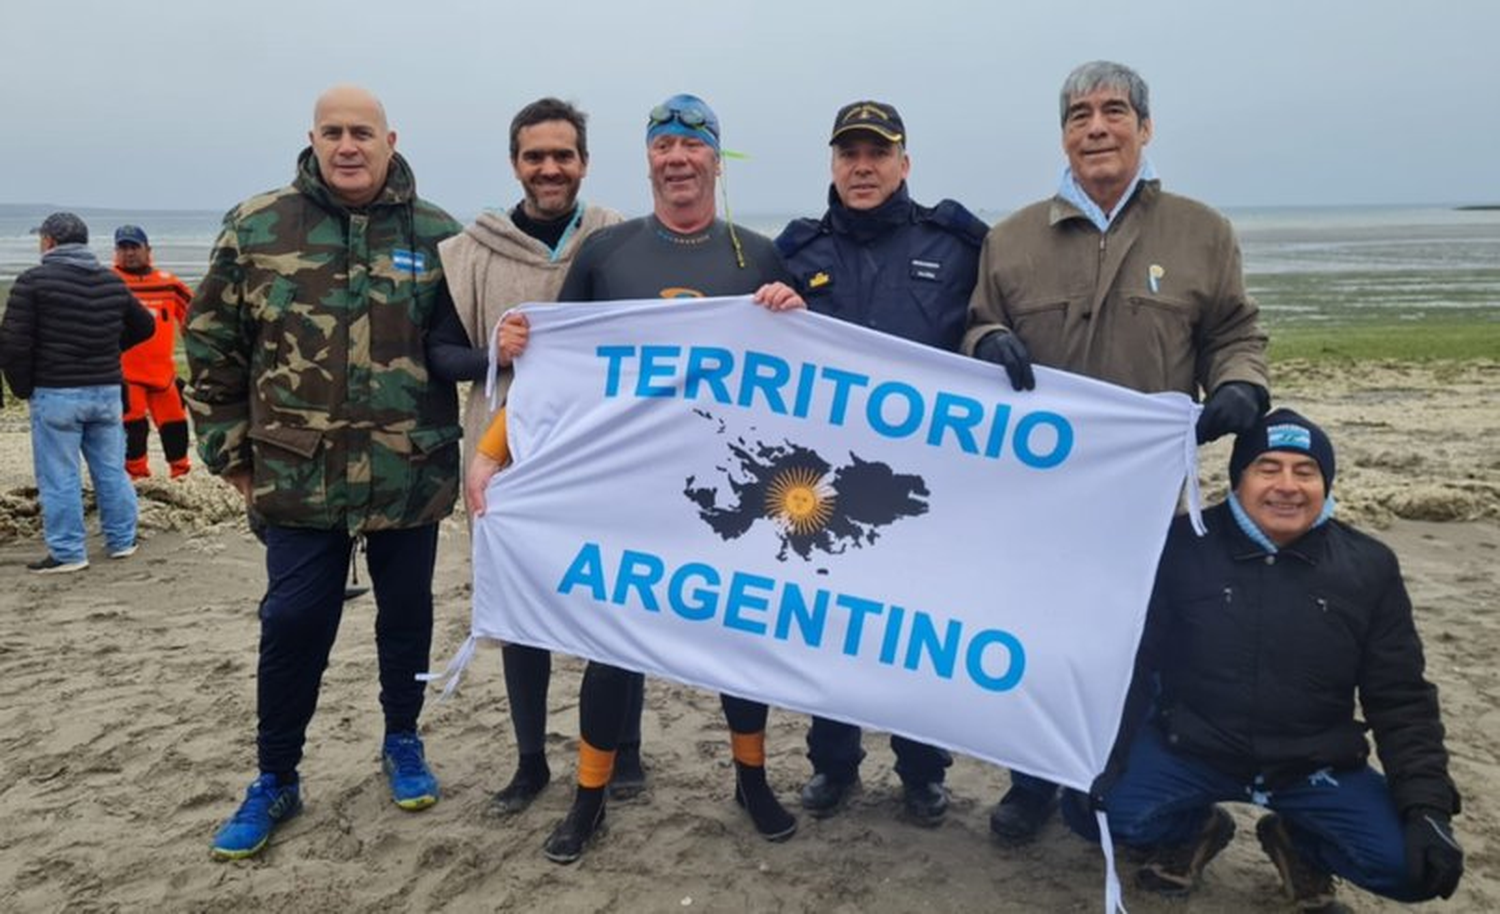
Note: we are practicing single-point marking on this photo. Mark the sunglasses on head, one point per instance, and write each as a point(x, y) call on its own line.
point(692, 118)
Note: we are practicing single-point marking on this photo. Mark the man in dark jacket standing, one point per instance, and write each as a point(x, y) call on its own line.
point(1260, 636)
point(311, 395)
point(880, 260)
point(1116, 279)
point(65, 325)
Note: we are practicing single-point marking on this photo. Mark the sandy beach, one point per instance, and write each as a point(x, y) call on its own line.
point(127, 697)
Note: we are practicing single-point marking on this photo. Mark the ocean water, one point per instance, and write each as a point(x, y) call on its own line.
point(1301, 263)
point(180, 239)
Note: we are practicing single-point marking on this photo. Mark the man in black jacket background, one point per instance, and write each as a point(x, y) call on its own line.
point(65, 325)
point(1259, 638)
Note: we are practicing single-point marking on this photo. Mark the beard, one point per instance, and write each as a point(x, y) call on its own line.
point(552, 198)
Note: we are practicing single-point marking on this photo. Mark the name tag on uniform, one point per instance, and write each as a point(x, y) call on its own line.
point(409, 261)
point(926, 269)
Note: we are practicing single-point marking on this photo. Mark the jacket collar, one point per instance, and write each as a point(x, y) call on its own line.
point(1309, 547)
point(73, 254)
point(497, 232)
point(864, 225)
point(1063, 210)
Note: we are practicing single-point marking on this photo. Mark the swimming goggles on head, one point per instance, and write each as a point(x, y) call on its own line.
point(693, 118)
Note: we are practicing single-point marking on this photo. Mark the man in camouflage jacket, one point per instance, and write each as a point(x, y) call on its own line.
point(310, 395)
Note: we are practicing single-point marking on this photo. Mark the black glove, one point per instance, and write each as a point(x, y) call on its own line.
point(1232, 408)
point(1006, 350)
point(1433, 858)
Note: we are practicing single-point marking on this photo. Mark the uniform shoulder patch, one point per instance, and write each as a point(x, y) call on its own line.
point(796, 236)
point(954, 218)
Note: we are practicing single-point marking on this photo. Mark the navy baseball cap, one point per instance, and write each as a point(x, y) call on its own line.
point(872, 117)
point(131, 234)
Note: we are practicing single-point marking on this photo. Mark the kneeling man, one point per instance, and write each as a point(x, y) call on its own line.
point(1261, 635)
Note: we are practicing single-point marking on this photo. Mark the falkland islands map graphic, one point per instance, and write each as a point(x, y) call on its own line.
point(812, 504)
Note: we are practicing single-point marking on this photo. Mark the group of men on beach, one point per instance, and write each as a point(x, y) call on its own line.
point(93, 349)
point(339, 312)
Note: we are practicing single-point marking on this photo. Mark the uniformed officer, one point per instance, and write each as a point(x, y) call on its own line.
point(879, 259)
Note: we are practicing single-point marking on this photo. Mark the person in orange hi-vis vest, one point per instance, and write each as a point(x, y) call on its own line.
point(151, 384)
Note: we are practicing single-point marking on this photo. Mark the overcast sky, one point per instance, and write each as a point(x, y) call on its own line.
point(192, 104)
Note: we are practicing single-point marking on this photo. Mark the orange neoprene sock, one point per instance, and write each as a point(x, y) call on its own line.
point(495, 442)
point(594, 765)
point(749, 748)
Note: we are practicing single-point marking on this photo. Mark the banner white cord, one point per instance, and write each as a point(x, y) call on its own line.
point(1194, 496)
point(1114, 900)
point(454, 670)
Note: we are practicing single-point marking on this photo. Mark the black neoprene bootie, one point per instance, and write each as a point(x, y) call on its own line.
point(584, 820)
point(753, 793)
point(532, 775)
point(629, 777)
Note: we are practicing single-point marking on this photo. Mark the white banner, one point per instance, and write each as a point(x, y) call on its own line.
point(829, 519)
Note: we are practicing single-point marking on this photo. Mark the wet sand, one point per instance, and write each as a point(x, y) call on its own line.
point(127, 725)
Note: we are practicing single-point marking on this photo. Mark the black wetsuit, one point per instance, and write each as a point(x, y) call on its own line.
point(641, 258)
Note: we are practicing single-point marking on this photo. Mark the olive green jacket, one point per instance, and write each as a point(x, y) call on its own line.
point(306, 362)
point(1156, 303)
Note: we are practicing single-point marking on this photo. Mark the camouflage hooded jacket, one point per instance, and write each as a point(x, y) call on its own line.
point(305, 355)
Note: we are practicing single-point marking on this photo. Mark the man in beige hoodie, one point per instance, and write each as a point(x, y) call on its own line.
point(503, 260)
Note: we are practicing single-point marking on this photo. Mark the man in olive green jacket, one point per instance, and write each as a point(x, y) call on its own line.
point(311, 396)
point(1114, 278)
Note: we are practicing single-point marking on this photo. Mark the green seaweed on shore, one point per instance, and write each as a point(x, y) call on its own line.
point(1454, 339)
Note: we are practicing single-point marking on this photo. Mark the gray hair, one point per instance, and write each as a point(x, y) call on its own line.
point(1105, 74)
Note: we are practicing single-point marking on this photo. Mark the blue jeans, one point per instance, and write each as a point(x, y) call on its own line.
point(1342, 822)
point(64, 422)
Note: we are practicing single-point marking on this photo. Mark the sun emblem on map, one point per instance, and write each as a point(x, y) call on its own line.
point(799, 500)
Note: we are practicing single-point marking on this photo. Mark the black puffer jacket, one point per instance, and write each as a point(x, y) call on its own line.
point(66, 325)
point(1260, 657)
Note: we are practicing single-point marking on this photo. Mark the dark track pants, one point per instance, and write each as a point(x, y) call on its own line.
point(834, 748)
point(299, 619)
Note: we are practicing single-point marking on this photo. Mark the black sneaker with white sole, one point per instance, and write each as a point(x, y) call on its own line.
point(50, 565)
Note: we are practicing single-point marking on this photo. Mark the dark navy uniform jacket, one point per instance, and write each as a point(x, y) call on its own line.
point(901, 268)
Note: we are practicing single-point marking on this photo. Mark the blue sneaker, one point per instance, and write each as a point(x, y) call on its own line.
point(413, 786)
point(267, 805)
